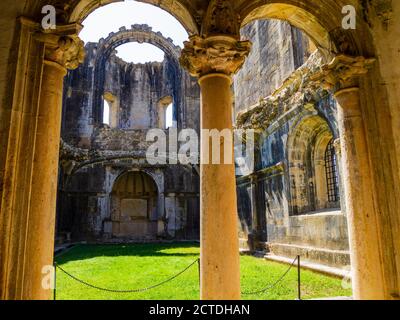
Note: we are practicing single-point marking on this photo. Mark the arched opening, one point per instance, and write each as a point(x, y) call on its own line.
point(375, 123)
point(137, 86)
point(106, 112)
point(132, 82)
point(332, 175)
point(278, 51)
point(169, 116)
point(110, 109)
point(166, 113)
point(84, 8)
point(364, 121)
point(297, 17)
point(314, 180)
point(134, 207)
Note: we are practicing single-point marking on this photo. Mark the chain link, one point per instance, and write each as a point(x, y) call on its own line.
point(170, 279)
point(274, 284)
point(126, 291)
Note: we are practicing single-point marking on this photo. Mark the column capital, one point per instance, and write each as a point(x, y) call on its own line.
point(342, 72)
point(215, 54)
point(63, 46)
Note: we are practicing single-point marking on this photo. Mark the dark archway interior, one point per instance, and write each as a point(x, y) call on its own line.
point(134, 207)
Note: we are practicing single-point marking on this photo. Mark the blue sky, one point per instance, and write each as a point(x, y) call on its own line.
point(113, 16)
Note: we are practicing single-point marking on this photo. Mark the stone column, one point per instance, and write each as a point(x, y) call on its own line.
point(170, 209)
point(255, 220)
point(214, 59)
point(61, 52)
point(363, 219)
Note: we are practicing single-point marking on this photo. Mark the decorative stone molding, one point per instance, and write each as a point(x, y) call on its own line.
point(342, 72)
point(70, 153)
point(63, 46)
point(297, 91)
point(215, 54)
point(74, 159)
point(68, 52)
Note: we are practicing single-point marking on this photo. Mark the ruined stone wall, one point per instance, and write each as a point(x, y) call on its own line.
point(95, 155)
point(277, 50)
point(139, 89)
point(278, 204)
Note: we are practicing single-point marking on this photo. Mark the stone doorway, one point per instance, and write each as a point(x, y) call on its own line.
point(134, 207)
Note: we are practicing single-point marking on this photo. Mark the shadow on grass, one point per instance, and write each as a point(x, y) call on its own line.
point(83, 252)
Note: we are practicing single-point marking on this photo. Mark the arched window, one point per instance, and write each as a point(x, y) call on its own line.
point(313, 171)
point(332, 178)
point(110, 110)
point(106, 113)
point(169, 117)
point(166, 113)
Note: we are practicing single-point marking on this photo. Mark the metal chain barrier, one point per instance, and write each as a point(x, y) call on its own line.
point(276, 282)
point(197, 261)
point(126, 291)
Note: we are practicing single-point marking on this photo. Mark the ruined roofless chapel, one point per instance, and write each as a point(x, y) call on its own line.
point(323, 102)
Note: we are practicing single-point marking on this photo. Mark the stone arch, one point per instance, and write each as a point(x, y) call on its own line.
point(306, 148)
point(83, 8)
point(140, 33)
point(374, 123)
point(320, 20)
point(134, 206)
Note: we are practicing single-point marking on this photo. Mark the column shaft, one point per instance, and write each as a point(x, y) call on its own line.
point(220, 274)
point(41, 220)
point(358, 185)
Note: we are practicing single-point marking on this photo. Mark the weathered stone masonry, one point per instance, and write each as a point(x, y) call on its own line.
point(284, 206)
point(99, 160)
point(360, 68)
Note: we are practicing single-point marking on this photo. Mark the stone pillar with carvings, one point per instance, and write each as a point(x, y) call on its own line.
point(213, 57)
point(62, 50)
point(341, 77)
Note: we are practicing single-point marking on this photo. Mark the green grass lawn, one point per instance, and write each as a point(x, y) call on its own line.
point(126, 267)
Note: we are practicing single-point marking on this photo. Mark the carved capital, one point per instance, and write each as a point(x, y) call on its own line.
point(343, 72)
point(63, 46)
point(69, 52)
point(216, 54)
